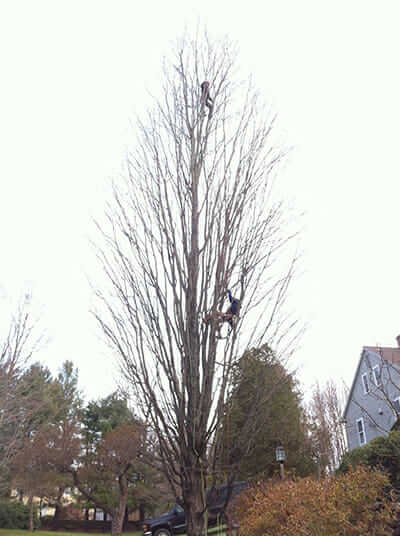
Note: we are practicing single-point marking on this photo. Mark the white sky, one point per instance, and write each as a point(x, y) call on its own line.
point(75, 72)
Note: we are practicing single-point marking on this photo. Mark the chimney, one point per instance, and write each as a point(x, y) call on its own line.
point(398, 340)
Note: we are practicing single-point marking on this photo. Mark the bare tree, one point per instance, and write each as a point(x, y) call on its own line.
point(193, 214)
point(328, 436)
point(17, 403)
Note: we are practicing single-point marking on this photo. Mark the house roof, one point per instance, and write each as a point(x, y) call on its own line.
point(391, 355)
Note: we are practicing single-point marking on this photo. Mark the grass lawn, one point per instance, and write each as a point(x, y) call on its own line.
point(219, 530)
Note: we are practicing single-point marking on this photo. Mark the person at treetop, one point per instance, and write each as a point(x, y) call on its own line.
point(206, 97)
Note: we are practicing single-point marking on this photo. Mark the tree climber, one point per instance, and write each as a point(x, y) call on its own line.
point(206, 97)
point(230, 316)
point(233, 309)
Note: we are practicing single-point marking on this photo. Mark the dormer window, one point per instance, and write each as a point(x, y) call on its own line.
point(377, 375)
point(364, 379)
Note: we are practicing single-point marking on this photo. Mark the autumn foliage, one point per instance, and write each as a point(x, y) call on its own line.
point(350, 505)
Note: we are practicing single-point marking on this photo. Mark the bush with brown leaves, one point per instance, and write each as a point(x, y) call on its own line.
point(354, 504)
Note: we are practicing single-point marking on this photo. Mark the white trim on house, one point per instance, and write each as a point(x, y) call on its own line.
point(365, 383)
point(362, 438)
point(376, 371)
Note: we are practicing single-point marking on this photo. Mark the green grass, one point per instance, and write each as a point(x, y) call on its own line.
point(219, 529)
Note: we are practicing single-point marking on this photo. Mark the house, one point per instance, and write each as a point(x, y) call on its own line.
point(373, 403)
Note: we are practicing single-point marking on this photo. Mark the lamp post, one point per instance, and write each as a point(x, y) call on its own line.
point(280, 457)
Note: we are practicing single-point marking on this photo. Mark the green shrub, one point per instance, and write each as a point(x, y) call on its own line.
point(381, 453)
point(15, 515)
point(353, 504)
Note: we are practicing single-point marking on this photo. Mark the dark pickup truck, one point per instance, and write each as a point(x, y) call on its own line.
point(174, 521)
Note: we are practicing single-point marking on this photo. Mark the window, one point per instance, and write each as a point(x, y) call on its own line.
point(396, 403)
point(361, 432)
point(364, 378)
point(377, 375)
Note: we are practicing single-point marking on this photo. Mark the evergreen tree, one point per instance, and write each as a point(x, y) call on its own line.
point(265, 403)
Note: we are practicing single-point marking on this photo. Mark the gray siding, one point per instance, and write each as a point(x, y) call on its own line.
point(374, 407)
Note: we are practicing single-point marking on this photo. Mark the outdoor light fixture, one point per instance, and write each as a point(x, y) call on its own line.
point(280, 454)
point(280, 457)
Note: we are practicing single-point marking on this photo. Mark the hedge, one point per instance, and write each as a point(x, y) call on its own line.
point(15, 515)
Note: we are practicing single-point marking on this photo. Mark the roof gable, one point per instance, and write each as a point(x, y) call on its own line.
point(390, 355)
point(350, 395)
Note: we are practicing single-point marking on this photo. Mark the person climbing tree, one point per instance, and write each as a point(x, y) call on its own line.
point(206, 97)
point(229, 316)
point(233, 309)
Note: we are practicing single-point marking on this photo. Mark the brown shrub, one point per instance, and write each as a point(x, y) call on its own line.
point(350, 505)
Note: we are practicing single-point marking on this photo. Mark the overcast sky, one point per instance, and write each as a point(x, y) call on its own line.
point(75, 73)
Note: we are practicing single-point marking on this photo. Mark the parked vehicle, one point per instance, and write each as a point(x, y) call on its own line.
point(174, 521)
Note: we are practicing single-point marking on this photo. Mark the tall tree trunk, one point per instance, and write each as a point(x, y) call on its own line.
point(194, 498)
point(119, 512)
point(57, 511)
point(56, 516)
point(126, 519)
point(30, 504)
point(195, 513)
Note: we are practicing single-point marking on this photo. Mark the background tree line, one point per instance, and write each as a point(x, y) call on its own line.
point(54, 446)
